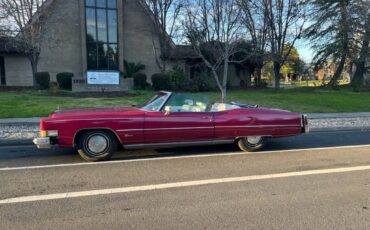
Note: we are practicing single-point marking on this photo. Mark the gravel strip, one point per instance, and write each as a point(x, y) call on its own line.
point(18, 131)
point(355, 123)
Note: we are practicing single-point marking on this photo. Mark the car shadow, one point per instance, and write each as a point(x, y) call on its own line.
point(306, 141)
point(30, 155)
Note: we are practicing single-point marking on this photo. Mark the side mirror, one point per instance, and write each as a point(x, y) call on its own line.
point(167, 110)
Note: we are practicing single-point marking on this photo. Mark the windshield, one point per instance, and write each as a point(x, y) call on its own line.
point(187, 102)
point(156, 102)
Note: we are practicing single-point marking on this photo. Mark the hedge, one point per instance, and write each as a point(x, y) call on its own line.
point(161, 81)
point(65, 80)
point(43, 79)
point(140, 82)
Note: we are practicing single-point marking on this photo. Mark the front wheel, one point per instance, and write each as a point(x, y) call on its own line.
point(97, 145)
point(251, 143)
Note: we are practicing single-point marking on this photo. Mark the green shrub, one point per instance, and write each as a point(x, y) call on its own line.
point(132, 68)
point(43, 79)
point(161, 81)
point(178, 79)
point(140, 82)
point(54, 87)
point(65, 80)
point(262, 84)
point(201, 83)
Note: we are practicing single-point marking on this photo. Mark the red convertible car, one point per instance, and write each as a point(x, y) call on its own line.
point(167, 120)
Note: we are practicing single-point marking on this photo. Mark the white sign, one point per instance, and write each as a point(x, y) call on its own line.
point(102, 78)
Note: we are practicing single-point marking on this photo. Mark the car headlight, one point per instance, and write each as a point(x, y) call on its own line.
point(49, 133)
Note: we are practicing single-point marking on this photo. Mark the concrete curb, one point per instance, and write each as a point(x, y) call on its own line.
point(340, 129)
point(18, 121)
point(337, 115)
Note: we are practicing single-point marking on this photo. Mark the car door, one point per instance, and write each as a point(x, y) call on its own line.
point(186, 121)
point(160, 127)
point(231, 122)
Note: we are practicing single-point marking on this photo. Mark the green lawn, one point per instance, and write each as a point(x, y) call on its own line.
point(31, 103)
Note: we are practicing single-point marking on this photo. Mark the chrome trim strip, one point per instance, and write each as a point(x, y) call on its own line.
point(256, 126)
point(85, 129)
point(129, 130)
point(211, 127)
point(177, 144)
point(158, 129)
point(97, 119)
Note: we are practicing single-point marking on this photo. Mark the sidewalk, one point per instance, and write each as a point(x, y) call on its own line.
point(16, 131)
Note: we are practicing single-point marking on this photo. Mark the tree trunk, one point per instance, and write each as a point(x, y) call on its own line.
point(258, 76)
point(248, 83)
point(164, 66)
point(219, 85)
point(358, 78)
point(277, 74)
point(223, 94)
point(334, 81)
point(344, 40)
point(225, 77)
point(34, 71)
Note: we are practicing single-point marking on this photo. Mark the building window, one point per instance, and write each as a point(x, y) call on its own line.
point(101, 34)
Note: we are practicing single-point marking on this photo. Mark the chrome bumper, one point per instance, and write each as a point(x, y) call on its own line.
point(306, 129)
point(304, 124)
point(42, 142)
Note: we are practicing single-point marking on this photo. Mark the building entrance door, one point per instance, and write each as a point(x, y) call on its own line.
point(2, 71)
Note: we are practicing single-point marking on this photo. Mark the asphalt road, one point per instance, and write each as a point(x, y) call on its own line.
point(314, 181)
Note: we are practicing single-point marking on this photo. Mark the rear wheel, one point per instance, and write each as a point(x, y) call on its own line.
point(251, 143)
point(97, 145)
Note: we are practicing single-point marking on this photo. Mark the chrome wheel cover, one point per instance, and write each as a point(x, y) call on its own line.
point(254, 140)
point(97, 144)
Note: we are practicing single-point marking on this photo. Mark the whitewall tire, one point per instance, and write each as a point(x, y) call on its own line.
point(251, 143)
point(97, 145)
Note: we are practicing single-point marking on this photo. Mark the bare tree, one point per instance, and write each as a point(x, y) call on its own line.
point(165, 15)
point(26, 20)
point(286, 20)
point(214, 30)
point(255, 20)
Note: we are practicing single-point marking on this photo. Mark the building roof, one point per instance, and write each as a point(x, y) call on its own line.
point(182, 52)
point(7, 46)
